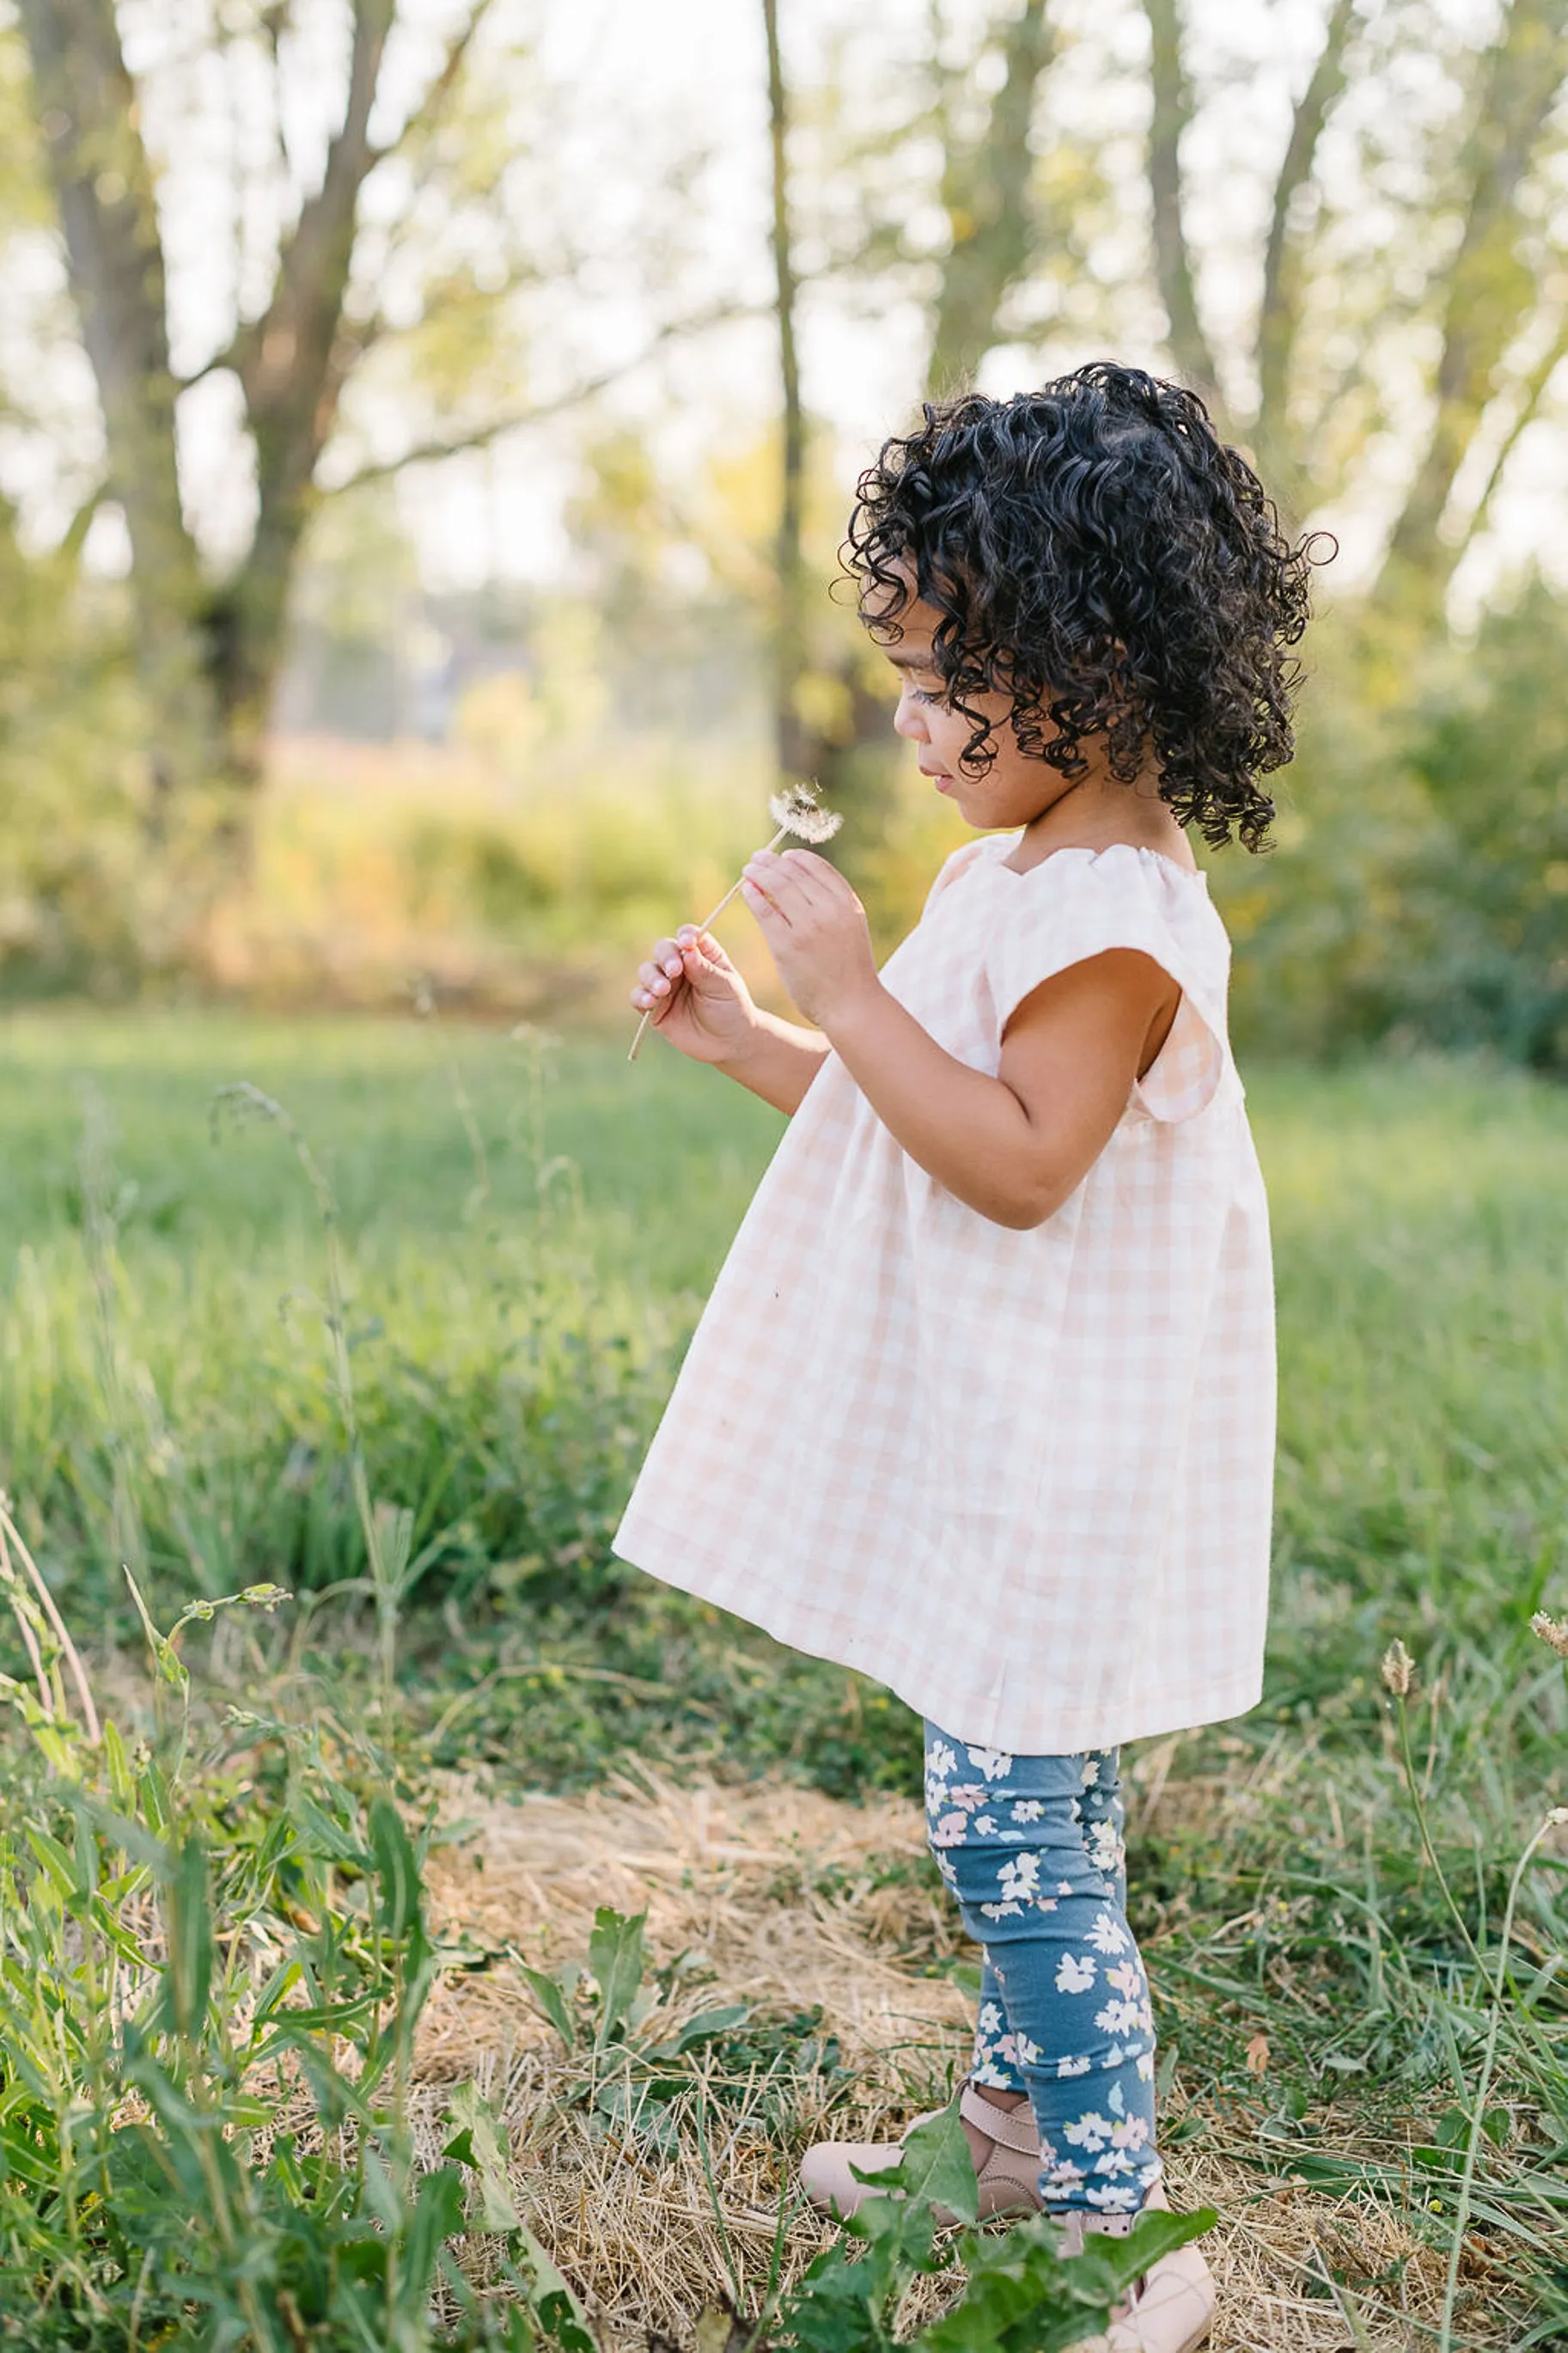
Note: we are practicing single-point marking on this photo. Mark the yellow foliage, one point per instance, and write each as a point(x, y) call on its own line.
point(516, 874)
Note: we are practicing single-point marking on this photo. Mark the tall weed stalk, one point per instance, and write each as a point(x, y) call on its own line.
point(210, 1986)
point(388, 1531)
point(1539, 2064)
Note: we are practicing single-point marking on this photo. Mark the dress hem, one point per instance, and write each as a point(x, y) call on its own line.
point(1067, 1733)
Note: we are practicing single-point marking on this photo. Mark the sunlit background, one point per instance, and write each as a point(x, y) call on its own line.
point(426, 427)
point(396, 585)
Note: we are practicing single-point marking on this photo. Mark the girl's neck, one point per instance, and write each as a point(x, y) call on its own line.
point(1097, 812)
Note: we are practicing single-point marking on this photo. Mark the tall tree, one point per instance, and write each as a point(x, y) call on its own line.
point(1170, 113)
point(1491, 290)
point(209, 648)
point(104, 184)
point(790, 650)
point(1284, 275)
point(1483, 296)
point(987, 171)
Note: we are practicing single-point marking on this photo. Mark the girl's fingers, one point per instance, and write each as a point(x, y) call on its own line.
point(822, 882)
point(764, 905)
point(700, 951)
point(768, 873)
point(808, 869)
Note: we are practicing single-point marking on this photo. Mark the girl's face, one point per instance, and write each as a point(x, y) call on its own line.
point(1015, 789)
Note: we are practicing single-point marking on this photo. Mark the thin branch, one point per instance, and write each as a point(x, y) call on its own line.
point(514, 420)
point(377, 328)
point(75, 531)
point(1532, 393)
point(429, 112)
point(229, 356)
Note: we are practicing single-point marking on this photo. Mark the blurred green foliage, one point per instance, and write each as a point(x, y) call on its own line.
point(1418, 889)
point(526, 1238)
point(73, 850)
point(518, 1291)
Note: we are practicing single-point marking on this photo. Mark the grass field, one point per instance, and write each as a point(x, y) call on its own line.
point(1360, 2069)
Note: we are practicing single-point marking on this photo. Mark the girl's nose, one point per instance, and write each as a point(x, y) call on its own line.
point(908, 719)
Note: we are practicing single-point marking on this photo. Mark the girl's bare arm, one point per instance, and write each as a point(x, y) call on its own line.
point(779, 1061)
point(1012, 1146)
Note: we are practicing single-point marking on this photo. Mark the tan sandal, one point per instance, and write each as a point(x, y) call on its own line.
point(1006, 2179)
point(1171, 2309)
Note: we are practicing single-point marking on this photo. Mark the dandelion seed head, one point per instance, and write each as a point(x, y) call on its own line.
point(797, 810)
point(1399, 1669)
point(1553, 1632)
point(1557, 1818)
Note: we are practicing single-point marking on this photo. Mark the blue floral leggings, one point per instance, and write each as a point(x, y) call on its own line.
point(1031, 1846)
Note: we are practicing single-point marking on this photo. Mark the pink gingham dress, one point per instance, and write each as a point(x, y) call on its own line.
point(1024, 1479)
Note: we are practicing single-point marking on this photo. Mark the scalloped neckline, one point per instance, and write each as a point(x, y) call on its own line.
point(1080, 850)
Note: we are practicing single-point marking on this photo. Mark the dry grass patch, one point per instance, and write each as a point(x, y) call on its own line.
point(786, 1899)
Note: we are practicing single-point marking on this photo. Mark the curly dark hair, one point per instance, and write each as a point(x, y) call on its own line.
point(1098, 553)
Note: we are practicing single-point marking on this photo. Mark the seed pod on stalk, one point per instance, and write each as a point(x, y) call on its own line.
point(796, 810)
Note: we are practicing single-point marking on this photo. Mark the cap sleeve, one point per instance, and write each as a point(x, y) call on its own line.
point(1074, 906)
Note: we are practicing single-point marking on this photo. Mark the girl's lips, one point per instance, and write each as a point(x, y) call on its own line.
point(940, 778)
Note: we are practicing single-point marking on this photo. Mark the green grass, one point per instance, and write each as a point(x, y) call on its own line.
point(528, 1233)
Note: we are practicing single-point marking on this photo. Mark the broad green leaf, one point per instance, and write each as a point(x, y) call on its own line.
point(1022, 2296)
point(56, 1861)
point(188, 1975)
point(482, 2142)
point(436, 2217)
point(616, 1959)
point(325, 1834)
point(396, 1871)
point(937, 2168)
point(551, 2000)
point(552, 2295)
point(710, 2023)
point(128, 1837)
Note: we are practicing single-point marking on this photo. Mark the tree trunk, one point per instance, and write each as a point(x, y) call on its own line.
point(790, 651)
point(103, 186)
point(986, 192)
point(1280, 313)
point(1171, 112)
point(208, 656)
point(1490, 292)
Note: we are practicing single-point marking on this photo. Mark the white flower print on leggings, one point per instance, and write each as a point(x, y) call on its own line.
point(1031, 1846)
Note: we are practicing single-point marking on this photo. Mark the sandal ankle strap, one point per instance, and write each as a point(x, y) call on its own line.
point(1015, 2128)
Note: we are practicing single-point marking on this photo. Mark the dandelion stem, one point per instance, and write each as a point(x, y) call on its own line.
point(706, 924)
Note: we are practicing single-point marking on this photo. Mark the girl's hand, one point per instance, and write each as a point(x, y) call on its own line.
point(696, 998)
point(817, 928)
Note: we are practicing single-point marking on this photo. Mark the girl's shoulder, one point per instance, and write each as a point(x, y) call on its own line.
point(964, 859)
point(1120, 886)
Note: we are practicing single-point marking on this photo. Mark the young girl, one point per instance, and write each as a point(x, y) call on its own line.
point(982, 1403)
